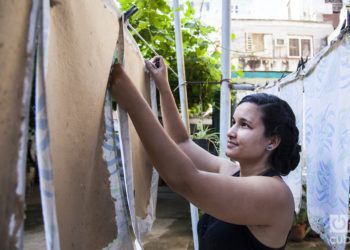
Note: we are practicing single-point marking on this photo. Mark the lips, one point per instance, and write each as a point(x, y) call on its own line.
point(232, 144)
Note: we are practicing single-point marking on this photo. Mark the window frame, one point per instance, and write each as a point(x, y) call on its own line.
point(253, 49)
point(310, 38)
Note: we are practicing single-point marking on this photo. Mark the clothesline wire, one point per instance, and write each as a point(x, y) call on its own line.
point(148, 45)
point(173, 71)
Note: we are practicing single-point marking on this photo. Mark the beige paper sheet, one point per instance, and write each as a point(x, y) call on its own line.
point(14, 20)
point(142, 167)
point(83, 36)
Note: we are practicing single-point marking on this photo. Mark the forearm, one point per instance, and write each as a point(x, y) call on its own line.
point(171, 117)
point(173, 125)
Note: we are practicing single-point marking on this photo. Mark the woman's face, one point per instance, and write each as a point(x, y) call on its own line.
point(246, 140)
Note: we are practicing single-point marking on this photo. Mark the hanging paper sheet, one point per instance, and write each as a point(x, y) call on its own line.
point(327, 103)
point(141, 179)
point(48, 201)
point(17, 36)
point(293, 94)
point(112, 156)
point(83, 35)
point(142, 167)
point(271, 89)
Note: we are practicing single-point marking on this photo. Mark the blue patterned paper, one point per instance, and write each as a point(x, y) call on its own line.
point(112, 156)
point(293, 94)
point(327, 103)
point(42, 137)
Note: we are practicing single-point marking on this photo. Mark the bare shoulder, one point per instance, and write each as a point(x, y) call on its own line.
point(284, 201)
point(237, 200)
point(286, 195)
point(280, 192)
point(275, 234)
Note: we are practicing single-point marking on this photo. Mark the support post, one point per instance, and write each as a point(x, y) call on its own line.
point(183, 101)
point(225, 101)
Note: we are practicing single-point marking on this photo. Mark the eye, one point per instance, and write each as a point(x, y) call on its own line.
point(233, 122)
point(244, 125)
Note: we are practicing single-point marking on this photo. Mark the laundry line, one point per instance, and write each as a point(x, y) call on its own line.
point(306, 67)
point(234, 86)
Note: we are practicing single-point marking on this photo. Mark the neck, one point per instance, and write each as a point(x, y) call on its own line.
point(249, 169)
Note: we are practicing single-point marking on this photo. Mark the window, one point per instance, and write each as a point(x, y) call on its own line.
point(305, 47)
point(294, 47)
point(300, 47)
point(254, 42)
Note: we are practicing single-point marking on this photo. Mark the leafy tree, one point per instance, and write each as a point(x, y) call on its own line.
point(155, 22)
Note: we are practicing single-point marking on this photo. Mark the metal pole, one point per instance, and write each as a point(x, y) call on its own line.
point(225, 101)
point(180, 65)
point(183, 101)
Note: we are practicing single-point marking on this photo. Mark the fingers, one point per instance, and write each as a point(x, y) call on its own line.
point(157, 67)
point(117, 73)
point(158, 60)
point(117, 67)
point(117, 70)
point(150, 66)
point(161, 62)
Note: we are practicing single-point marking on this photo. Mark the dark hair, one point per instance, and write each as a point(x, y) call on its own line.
point(279, 120)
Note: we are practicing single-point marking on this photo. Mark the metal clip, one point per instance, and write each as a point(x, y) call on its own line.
point(127, 14)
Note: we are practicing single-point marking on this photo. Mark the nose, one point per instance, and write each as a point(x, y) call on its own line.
point(232, 131)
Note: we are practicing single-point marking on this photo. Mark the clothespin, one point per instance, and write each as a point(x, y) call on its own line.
point(283, 75)
point(345, 27)
point(301, 63)
point(127, 14)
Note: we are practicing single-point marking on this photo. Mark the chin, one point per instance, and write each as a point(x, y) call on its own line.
point(230, 155)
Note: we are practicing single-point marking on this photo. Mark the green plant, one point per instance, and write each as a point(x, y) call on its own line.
point(300, 227)
point(154, 21)
point(206, 133)
point(301, 217)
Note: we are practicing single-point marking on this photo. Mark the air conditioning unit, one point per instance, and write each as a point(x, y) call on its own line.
point(280, 42)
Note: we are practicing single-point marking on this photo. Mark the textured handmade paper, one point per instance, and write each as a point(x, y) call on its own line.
point(142, 167)
point(14, 19)
point(83, 36)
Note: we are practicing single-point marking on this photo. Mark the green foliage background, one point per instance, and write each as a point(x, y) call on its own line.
point(155, 22)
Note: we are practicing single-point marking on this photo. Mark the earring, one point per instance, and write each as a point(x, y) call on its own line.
point(269, 147)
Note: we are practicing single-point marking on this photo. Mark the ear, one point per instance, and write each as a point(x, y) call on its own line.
point(274, 141)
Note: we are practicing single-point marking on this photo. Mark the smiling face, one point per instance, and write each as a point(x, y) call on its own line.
point(246, 139)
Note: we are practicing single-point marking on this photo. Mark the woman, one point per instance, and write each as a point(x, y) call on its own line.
point(247, 205)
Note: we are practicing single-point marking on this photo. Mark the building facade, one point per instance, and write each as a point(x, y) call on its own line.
point(272, 35)
point(268, 49)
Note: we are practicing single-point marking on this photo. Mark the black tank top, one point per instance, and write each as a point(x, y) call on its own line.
point(214, 234)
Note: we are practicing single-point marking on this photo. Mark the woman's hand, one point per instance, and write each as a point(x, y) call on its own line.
point(120, 84)
point(159, 72)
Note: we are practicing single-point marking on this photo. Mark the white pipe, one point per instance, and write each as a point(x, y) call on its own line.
point(183, 101)
point(225, 101)
point(180, 65)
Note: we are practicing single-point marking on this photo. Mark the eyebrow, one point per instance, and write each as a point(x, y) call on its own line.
point(244, 120)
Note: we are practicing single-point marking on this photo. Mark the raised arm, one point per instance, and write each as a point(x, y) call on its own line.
point(166, 156)
point(173, 125)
